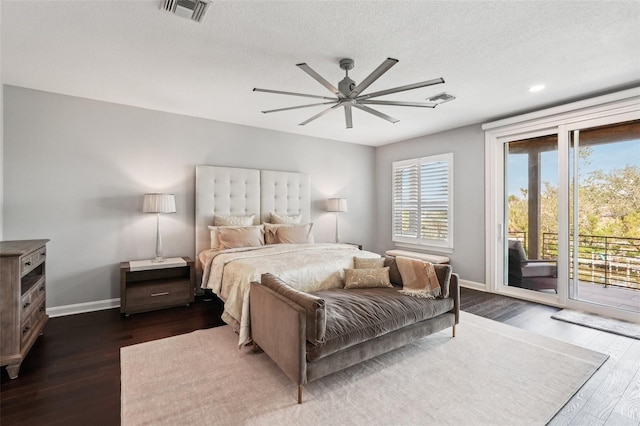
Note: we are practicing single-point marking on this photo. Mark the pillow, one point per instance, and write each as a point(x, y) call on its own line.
point(366, 278)
point(246, 220)
point(213, 231)
point(517, 245)
point(240, 236)
point(288, 234)
point(283, 219)
point(443, 273)
point(394, 274)
point(368, 263)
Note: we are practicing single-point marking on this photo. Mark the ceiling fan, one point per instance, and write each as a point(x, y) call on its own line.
point(349, 95)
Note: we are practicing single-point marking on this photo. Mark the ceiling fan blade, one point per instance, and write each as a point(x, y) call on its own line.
point(376, 74)
point(304, 95)
point(320, 114)
point(394, 103)
point(348, 116)
point(306, 68)
point(297, 107)
point(376, 113)
point(401, 89)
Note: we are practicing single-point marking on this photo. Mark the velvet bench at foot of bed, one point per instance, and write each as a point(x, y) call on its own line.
point(311, 335)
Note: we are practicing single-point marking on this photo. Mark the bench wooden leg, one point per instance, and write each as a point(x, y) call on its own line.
point(454, 331)
point(299, 394)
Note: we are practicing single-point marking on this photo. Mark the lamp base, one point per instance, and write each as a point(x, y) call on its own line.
point(158, 259)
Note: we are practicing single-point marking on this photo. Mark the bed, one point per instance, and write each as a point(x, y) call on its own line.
point(234, 208)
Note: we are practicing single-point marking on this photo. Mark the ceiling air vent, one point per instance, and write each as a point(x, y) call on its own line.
point(191, 9)
point(441, 98)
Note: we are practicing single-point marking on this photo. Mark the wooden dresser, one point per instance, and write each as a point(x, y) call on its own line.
point(23, 312)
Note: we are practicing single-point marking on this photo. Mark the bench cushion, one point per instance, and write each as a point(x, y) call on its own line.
point(433, 258)
point(354, 316)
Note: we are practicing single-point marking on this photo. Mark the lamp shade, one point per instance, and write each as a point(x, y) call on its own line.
point(159, 203)
point(337, 205)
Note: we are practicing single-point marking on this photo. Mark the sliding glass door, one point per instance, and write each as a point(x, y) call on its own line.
point(563, 206)
point(604, 220)
point(531, 214)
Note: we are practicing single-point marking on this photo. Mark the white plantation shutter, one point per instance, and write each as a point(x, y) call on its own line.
point(405, 201)
point(423, 201)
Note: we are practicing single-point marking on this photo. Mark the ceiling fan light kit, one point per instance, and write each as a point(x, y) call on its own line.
point(349, 95)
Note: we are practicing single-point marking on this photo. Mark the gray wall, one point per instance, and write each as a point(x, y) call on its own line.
point(467, 145)
point(75, 171)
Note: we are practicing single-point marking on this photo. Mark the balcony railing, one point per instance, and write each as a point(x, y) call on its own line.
point(606, 260)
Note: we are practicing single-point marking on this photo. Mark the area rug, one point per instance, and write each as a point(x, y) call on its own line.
point(611, 325)
point(489, 374)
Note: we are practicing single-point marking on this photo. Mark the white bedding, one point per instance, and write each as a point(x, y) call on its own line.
point(306, 267)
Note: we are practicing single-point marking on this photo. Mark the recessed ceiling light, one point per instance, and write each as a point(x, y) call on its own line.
point(536, 88)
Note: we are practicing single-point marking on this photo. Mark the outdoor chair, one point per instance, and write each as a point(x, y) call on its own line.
point(532, 274)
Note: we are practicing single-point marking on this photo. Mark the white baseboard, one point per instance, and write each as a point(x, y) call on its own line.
point(79, 308)
point(473, 285)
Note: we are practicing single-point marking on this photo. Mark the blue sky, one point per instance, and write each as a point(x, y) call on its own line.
point(604, 157)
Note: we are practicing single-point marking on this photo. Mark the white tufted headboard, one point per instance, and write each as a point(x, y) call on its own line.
point(284, 193)
point(235, 191)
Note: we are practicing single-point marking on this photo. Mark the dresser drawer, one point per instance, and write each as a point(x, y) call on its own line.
point(26, 330)
point(32, 323)
point(158, 294)
point(32, 298)
point(29, 261)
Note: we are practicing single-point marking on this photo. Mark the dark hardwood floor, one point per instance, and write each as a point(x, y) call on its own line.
point(72, 374)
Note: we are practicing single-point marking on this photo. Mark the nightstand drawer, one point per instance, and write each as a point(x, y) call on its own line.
point(156, 287)
point(157, 294)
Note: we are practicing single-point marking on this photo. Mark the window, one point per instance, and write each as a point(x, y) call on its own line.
point(423, 202)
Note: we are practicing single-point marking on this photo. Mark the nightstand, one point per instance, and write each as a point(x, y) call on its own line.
point(147, 286)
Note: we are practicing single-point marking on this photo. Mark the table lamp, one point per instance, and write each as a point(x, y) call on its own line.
point(337, 205)
point(159, 203)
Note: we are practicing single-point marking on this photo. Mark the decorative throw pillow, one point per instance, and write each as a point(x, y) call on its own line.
point(394, 273)
point(444, 277)
point(368, 263)
point(288, 234)
point(285, 219)
point(246, 220)
point(240, 236)
point(366, 278)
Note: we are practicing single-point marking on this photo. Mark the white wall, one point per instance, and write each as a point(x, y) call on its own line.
point(467, 145)
point(76, 171)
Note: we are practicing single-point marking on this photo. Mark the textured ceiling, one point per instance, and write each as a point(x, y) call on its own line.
point(489, 53)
